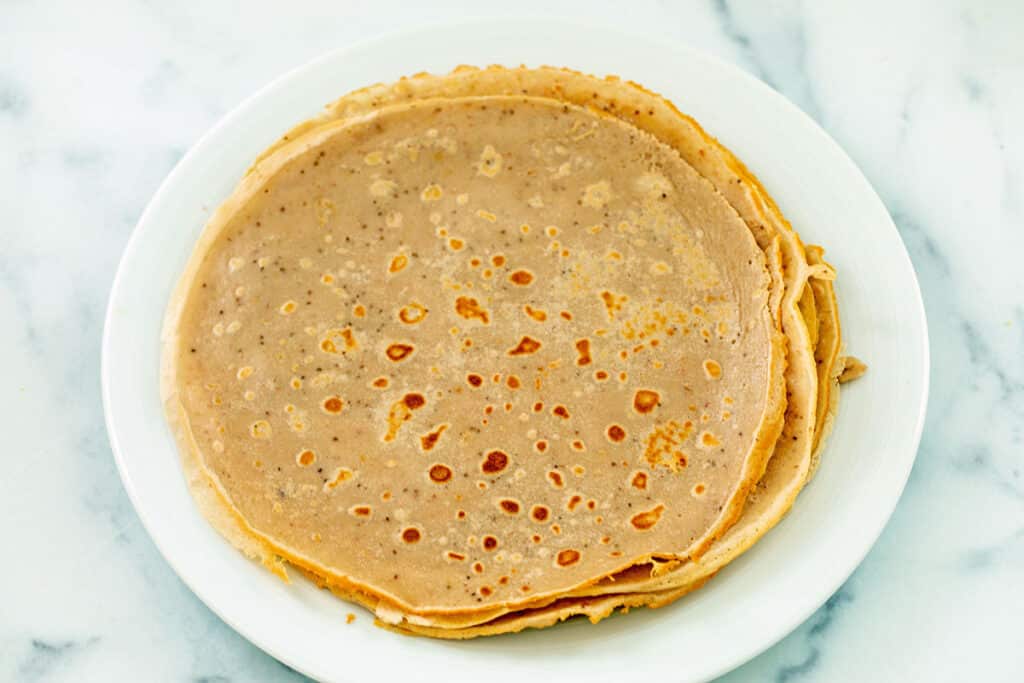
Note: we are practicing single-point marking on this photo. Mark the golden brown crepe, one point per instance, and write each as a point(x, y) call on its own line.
point(487, 350)
point(534, 384)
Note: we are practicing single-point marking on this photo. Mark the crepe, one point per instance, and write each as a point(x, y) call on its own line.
point(703, 176)
point(414, 369)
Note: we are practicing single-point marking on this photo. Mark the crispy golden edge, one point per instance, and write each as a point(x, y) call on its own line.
point(809, 310)
point(593, 608)
point(621, 583)
point(852, 369)
point(826, 352)
point(833, 368)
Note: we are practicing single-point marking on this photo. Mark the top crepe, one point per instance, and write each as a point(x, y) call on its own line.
point(470, 352)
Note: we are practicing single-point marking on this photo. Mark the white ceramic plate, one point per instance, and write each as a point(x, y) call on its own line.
point(756, 600)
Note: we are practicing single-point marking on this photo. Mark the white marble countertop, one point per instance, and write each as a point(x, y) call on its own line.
point(97, 105)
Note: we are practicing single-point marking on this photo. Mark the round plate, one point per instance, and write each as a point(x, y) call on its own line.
point(757, 599)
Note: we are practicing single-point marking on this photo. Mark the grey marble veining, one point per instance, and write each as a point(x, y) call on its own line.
point(97, 103)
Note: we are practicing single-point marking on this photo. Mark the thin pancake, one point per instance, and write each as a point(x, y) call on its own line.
point(306, 520)
point(593, 608)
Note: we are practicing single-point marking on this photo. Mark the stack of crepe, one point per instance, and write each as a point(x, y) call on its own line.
point(488, 350)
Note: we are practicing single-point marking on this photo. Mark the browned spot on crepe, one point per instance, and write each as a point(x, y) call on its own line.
point(412, 313)
point(429, 440)
point(535, 313)
point(645, 400)
point(398, 352)
point(583, 351)
point(521, 277)
point(526, 346)
point(398, 263)
point(495, 462)
point(567, 557)
point(644, 521)
point(440, 473)
point(469, 308)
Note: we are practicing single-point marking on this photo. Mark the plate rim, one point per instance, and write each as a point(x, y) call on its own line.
point(225, 122)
